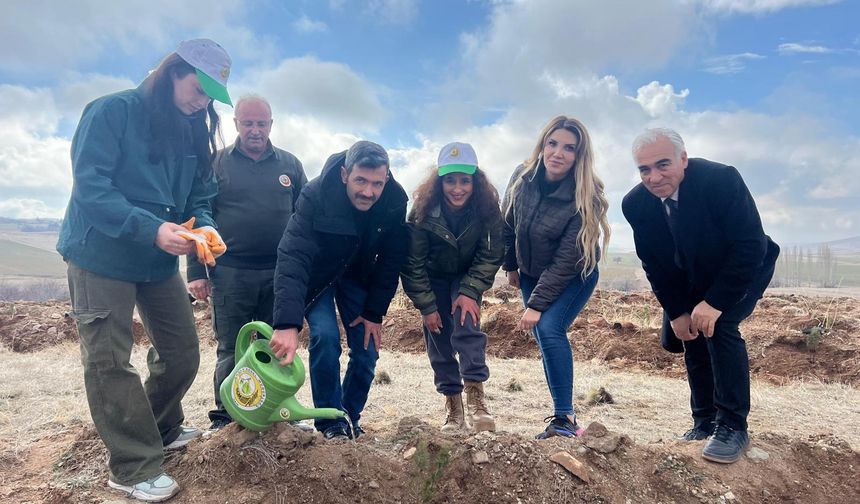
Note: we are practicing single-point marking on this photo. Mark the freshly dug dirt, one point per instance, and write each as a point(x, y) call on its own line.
point(417, 464)
point(621, 329)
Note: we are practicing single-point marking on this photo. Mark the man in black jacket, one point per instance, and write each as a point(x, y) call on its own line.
point(345, 245)
point(700, 239)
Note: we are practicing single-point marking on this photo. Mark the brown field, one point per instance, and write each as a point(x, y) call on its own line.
point(806, 406)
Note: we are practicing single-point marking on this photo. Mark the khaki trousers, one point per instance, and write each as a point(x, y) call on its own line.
point(134, 420)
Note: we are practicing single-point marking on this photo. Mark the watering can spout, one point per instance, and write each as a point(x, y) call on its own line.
point(259, 391)
point(292, 409)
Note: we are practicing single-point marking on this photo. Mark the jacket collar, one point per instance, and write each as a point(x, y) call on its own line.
point(236, 148)
point(565, 191)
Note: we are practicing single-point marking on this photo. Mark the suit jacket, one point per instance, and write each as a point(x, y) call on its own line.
point(727, 256)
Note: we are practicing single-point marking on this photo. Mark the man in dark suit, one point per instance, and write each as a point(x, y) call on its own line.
point(700, 239)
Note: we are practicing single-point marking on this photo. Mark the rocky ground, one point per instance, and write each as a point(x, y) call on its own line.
point(789, 336)
point(417, 464)
point(791, 339)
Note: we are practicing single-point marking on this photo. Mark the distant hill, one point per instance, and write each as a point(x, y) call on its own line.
point(845, 246)
point(30, 225)
point(18, 259)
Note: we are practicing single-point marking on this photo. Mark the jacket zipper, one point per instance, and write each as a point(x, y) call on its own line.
point(333, 280)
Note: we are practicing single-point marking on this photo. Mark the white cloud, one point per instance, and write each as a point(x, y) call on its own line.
point(76, 90)
point(26, 208)
point(308, 139)
point(35, 178)
point(659, 100)
point(760, 6)
point(730, 63)
point(332, 92)
point(517, 70)
point(795, 48)
point(307, 25)
point(525, 39)
point(60, 34)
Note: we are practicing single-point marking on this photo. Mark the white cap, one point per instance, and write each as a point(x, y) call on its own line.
point(212, 64)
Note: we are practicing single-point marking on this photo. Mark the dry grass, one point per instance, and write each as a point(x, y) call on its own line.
point(42, 393)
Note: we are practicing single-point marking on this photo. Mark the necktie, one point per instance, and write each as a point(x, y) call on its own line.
point(673, 219)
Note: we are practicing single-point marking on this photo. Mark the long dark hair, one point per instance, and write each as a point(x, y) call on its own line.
point(484, 199)
point(170, 130)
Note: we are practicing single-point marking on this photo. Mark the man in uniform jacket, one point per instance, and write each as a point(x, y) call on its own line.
point(700, 239)
point(258, 185)
point(344, 246)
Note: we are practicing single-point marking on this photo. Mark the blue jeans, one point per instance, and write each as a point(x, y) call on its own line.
point(551, 335)
point(324, 348)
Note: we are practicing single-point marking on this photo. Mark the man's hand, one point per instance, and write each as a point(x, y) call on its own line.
point(284, 343)
point(200, 289)
point(433, 322)
point(705, 318)
point(514, 279)
point(529, 320)
point(371, 329)
point(167, 240)
point(683, 327)
point(467, 306)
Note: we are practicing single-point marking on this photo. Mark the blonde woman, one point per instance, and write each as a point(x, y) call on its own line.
point(555, 213)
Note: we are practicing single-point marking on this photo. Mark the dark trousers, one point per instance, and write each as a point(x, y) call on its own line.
point(238, 297)
point(134, 420)
point(718, 368)
point(324, 348)
point(464, 340)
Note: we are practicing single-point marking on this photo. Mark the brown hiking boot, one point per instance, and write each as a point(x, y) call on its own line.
point(478, 416)
point(454, 420)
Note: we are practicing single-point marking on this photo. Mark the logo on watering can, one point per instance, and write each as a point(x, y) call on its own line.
point(248, 390)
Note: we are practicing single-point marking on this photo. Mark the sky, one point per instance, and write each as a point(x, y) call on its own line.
point(768, 86)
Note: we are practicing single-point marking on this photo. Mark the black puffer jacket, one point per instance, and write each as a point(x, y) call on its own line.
point(321, 239)
point(540, 235)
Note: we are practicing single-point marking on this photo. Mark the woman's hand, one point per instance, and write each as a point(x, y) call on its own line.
point(167, 240)
point(530, 319)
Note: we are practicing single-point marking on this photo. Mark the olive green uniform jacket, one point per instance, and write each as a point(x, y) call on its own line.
point(434, 251)
point(119, 199)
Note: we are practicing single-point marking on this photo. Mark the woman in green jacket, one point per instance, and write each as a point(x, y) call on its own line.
point(141, 163)
point(456, 248)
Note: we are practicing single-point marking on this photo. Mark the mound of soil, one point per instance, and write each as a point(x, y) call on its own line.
point(418, 464)
point(623, 330)
point(788, 336)
point(27, 326)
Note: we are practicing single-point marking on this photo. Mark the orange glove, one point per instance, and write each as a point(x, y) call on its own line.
point(208, 242)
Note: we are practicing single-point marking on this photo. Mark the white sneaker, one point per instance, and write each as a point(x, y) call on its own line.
point(185, 437)
point(156, 489)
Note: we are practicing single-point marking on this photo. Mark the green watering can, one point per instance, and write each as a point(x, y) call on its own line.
point(259, 391)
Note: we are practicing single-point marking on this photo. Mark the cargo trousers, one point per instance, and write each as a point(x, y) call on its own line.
point(238, 296)
point(134, 420)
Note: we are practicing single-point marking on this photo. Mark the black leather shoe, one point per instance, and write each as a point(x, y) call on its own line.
point(338, 431)
point(726, 445)
point(697, 433)
point(357, 432)
point(219, 424)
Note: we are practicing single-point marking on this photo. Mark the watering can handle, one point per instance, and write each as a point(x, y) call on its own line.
point(243, 340)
